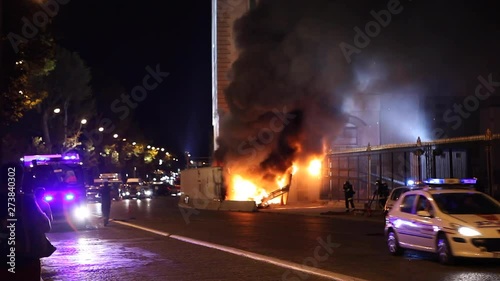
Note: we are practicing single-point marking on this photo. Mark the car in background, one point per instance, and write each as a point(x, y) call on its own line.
point(146, 192)
point(130, 191)
point(93, 194)
point(165, 189)
point(396, 192)
point(450, 220)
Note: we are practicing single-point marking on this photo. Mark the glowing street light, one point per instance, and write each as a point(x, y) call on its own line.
point(57, 110)
point(101, 129)
point(134, 143)
point(124, 139)
point(163, 149)
point(149, 146)
point(84, 121)
point(115, 136)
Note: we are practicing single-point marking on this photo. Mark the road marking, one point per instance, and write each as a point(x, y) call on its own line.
point(254, 256)
point(144, 228)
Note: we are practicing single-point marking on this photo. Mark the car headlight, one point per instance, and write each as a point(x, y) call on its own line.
point(466, 231)
point(147, 192)
point(82, 212)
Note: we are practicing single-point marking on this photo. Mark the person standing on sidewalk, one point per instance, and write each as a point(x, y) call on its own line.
point(106, 202)
point(349, 195)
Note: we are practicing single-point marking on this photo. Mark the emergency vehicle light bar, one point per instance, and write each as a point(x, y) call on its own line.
point(451, 181)
point(45, 159)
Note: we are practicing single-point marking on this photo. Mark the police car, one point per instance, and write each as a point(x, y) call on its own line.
point(397, 191)
point(447, 217)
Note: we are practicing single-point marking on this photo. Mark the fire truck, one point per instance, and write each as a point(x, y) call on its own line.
point(62, 177)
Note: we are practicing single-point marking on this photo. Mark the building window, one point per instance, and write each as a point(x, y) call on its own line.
point(349, 136)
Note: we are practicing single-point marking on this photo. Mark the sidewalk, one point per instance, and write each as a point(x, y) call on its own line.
point(327, 209)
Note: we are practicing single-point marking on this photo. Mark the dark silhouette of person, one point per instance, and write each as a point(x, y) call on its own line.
point(349, 194)
point(30, 225)
point(106, 199)
point(44, 205)
point(382, 192)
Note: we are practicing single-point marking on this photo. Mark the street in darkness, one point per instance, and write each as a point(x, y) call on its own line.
point(341, 245)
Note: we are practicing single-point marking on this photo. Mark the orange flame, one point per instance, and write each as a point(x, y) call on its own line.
point(314, 167)
point(244, 187)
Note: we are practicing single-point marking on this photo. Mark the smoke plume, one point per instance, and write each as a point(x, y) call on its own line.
point(291, 80)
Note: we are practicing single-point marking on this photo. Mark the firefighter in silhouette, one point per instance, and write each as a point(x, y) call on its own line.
point(105, 202)
point(349, 195)
point(382, 192)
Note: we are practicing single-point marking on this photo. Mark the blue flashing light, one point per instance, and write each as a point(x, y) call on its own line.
point(451, 181)
point(468, 181)
point(69, 196)
point(410, 182)
point(48, 198)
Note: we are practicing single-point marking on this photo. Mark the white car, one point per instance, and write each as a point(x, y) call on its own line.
point(398, 191)
point(449, 221)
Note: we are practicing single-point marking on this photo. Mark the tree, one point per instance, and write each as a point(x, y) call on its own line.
point(21, 66)
point(69, 91)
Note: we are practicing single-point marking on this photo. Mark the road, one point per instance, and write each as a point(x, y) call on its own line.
point(238, 246)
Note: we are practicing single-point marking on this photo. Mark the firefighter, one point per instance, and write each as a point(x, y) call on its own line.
point(382, 192)
point(349, 194)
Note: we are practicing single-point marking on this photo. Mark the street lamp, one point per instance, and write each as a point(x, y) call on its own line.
point(84, 121)
point(57, 110)
point(115, 136)
point(101, 129)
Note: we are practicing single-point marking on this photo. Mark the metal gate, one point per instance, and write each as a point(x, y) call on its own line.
point(396, 164)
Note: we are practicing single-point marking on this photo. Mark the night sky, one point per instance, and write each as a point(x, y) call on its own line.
point(118, 39)
point(437, 45)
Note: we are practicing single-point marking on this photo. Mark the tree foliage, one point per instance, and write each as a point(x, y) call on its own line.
point(34, 62)
point(68, 88)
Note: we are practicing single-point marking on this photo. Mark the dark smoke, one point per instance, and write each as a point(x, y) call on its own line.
point(290, 61)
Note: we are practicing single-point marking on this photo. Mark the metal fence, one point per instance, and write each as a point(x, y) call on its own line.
point(463, 157)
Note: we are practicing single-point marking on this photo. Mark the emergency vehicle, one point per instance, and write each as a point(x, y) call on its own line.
point(447, 217)
point(62, 177)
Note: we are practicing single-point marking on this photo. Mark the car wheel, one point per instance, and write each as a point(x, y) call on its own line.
point(393, 244)
point(445, 256)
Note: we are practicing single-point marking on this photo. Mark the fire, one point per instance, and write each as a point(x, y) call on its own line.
point(314, 167)
point(243, 188)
